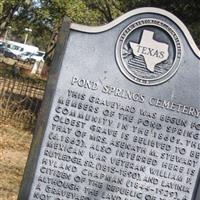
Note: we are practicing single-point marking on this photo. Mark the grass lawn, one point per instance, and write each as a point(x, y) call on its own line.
point(14, 148)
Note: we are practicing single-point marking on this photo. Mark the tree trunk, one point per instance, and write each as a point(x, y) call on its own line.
point(6, 18)
point(52, 45)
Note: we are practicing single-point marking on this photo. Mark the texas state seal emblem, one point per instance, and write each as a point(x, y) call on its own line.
point(148, 51)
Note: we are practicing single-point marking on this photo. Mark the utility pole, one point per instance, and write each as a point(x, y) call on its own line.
point(6, 33)
point(28, 30)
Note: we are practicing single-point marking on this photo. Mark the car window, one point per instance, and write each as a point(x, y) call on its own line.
point(39, 54)
point(26, 54)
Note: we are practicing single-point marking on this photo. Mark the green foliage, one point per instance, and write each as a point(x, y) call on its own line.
point(44, 16)
point(187, 11)
point(106, 8)
point(1, 6)
point(78, 12)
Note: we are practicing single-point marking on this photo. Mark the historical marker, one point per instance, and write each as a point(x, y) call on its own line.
point(121, 115)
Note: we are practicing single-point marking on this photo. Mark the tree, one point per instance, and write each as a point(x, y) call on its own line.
point(51, 14)
point(10, 9)
point(107, 8)
point(1, 6)
point(44, 16)
point(187, 11)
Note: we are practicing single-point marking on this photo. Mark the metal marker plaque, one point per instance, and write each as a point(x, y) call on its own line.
point(121, 115)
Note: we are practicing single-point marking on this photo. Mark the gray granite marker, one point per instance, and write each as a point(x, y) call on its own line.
point(121, 114)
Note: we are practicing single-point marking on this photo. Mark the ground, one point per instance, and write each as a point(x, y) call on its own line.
point(14, 148)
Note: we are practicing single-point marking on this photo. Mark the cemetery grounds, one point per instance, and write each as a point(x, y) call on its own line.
point(20, 99)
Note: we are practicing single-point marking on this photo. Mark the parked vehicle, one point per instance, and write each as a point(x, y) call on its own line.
point(19, 48)
point(2, 48)
point(24, 56)
point(16, 50)
point(38, 56)
point(32, 57)
point(9, 54)
point(6, 52)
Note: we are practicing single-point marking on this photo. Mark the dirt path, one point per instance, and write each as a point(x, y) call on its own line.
point(14, 148)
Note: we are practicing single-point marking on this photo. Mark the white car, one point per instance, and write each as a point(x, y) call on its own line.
point(19, 48)
point(24, 56)
point(32, 57)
